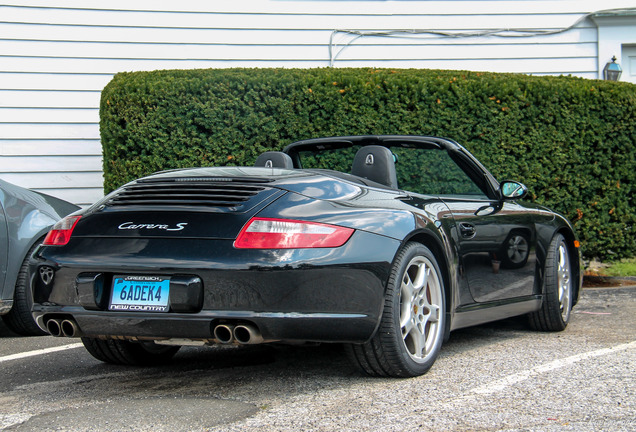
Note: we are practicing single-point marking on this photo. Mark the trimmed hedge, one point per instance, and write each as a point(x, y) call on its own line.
point(570, 140)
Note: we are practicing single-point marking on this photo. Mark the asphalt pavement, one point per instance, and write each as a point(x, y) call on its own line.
point(495, 377)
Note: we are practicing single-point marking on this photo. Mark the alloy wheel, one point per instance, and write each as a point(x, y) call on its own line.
point(420, 308)
point(564, 281)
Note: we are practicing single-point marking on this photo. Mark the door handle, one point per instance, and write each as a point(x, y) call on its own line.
point(467, 230)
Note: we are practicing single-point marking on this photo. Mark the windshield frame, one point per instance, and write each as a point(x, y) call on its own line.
point(462, 157)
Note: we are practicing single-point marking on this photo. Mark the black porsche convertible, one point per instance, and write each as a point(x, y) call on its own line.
point(383, 243)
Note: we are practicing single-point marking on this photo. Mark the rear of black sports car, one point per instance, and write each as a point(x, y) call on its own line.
point(263, 254)
point(219, 255)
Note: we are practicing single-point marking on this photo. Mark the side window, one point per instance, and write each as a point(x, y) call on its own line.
point(432, 172)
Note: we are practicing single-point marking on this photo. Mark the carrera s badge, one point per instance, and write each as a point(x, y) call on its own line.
point(131, 225)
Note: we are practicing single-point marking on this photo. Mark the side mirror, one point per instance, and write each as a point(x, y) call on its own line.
point(512, 190)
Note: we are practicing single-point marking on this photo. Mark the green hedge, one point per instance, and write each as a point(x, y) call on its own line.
point(570, 140)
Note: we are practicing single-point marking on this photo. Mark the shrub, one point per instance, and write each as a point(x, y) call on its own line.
point(570, 140)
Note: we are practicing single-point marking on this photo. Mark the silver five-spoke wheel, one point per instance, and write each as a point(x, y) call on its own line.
point(420, 306)
point(413, 321)
point(564, 281)
point(558, 288)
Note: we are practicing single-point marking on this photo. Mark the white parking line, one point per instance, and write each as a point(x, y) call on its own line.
point(501, 384)
point(39, 352)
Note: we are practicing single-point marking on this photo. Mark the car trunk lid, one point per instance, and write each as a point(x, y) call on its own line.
point(178, 207)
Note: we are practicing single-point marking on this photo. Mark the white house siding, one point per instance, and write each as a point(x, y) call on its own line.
point(56, 56)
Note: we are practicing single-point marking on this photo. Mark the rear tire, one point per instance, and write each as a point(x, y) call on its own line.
point(411, 330)
point(554, 314)
point(129, 353)
point(19, 319)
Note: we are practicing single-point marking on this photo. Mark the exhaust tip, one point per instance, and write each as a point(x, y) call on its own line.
point(247, 334)
point(242, 334)
point(69, 328)
point(54, 328)
point(224, 333)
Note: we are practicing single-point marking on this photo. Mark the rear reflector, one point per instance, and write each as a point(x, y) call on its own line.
point(265, 233)
point(61, 232)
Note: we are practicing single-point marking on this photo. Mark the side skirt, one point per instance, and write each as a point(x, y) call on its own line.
point(467, 316)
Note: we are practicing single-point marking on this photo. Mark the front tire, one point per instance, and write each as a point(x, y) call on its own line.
point(19, 318)
point(554, 314)
point(411, 330)
point(129, 353)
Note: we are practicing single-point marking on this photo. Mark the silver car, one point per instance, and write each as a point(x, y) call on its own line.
point(25, 218)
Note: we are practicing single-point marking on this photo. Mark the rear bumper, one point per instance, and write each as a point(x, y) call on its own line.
point(273, 326)
point(325, 295)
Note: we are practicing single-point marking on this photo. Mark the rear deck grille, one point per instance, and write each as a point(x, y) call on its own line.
point(202, 194)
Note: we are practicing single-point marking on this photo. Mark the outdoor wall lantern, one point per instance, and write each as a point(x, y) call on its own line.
point(612, 70)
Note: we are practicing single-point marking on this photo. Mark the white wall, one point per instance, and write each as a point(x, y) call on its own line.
point(616, 36)
point(54, 60)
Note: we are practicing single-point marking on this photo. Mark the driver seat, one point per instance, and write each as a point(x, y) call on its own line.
point(375, 163)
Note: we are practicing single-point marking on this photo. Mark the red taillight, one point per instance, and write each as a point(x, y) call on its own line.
point(265, 233)
point(61, 232)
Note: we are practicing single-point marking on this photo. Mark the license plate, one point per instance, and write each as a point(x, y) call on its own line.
point(140, 293)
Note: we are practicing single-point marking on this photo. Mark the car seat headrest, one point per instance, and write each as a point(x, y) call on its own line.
point(375, 163)
point(274, 159)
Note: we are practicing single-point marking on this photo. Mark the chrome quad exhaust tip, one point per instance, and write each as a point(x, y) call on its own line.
point(70, 328)
point(244, 334)
point(54, 327)
point(247, 334)
point(224, 333)
point(63, 328)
